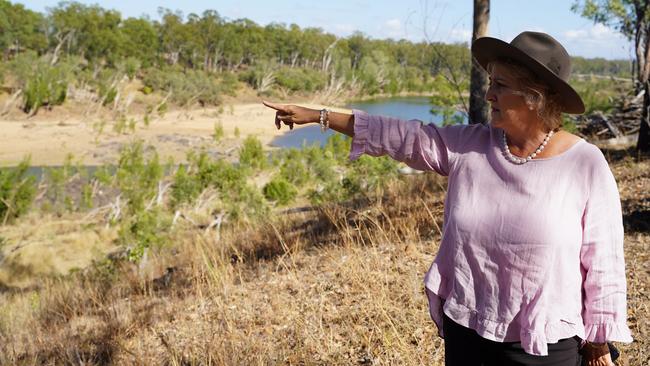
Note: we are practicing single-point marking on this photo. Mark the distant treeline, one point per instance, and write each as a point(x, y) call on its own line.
point(269, 57)
point(601, 66)
point(207, 41)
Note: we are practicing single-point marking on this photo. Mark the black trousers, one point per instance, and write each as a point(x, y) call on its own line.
point(464, 347)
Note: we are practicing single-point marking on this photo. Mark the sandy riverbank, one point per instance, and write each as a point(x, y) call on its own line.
point(48, 138)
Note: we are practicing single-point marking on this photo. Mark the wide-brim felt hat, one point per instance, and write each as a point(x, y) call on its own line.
point(541, 54)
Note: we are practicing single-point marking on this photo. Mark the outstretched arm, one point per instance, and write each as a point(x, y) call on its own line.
point(422, 147)
point(293, 114)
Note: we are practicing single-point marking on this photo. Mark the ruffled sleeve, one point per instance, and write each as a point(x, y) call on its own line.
point(603, 266)
point(420, 146)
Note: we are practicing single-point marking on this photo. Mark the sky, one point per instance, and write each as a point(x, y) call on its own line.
point(415, 20)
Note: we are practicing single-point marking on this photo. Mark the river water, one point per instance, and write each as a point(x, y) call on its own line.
point(399, 107)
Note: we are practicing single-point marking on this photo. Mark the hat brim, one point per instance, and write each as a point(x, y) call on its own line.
point(488, 49)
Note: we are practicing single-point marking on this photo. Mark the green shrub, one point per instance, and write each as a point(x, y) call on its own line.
point(237, 197)
point(600, 94)
point(43, 84)
point(47, 87)
point(137, 175)
point(252, 153)
point(293, 167)
point(104, 175)
point(187, 86)
point(219, 174)
point(43, 90)
point(17, 191)
point(228, 83)
point(300, 79)
point(339, 146)
point(279, 190)
point(185, 187)
point(446, 101)
point(145, 229)
point(57, 178)
point(321, 163)
point(261, 76)
point(569, 124)
point(218, 133)
point(87, 196)
point(130, 66)
point(247, 203)
point(372, 173)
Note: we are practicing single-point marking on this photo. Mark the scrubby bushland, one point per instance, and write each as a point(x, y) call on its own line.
point(148, 195)
point(189, 86)
point(234, 195)
point(339, 284)
point(600, 94)
point(43, 84)
point(301, 79)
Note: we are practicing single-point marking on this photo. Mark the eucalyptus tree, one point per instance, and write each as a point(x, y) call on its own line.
point(358, 45)
point(284, 47)
point(233, 49)
point(253, 45)
point(21, 29)
point(87, 30)
point(632, 19)
point(314, 45)
point(206, 32)
point(173, 34)
point(140, 40)
point(295, 39)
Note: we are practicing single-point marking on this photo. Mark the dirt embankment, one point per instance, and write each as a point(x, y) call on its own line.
point(50, 136)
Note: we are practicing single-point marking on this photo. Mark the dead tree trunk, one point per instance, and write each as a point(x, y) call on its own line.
point(478, 107)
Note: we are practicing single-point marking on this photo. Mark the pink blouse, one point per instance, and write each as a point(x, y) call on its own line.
point(530, 253)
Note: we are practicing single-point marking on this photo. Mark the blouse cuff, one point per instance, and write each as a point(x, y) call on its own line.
point(608, 332)
point(361, 134)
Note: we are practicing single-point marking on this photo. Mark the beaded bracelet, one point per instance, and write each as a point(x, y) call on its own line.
point(324, 119)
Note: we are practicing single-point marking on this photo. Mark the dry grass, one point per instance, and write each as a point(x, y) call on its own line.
point(338, 285)
point(44, 245)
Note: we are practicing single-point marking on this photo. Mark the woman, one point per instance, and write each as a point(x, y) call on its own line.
point(531, 258)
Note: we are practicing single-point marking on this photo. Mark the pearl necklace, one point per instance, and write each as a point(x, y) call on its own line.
point(518, 160)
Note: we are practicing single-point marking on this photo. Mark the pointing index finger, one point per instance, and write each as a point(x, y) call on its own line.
point(277, 107)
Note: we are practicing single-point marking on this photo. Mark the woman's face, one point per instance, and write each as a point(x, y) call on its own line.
point(508, 106)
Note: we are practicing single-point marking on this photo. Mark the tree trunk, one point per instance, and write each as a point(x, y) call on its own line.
point(643, 144)
point(478, 107)
point(642, 41)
